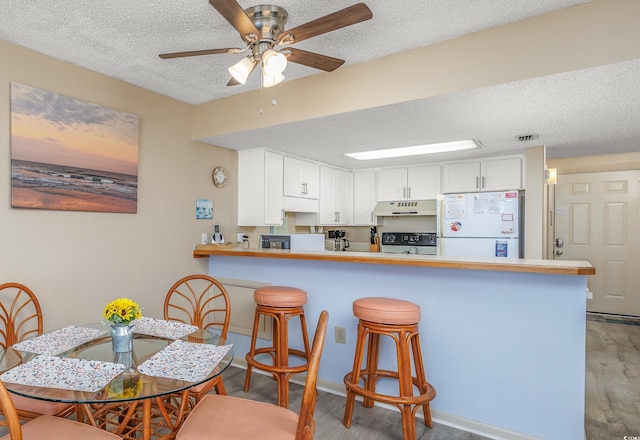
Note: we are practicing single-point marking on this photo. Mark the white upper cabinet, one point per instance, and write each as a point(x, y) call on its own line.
point(334, 196)
point(260, 179)
point(301, 178)
point(364, 198)
point(415, 183)
point(497, 174)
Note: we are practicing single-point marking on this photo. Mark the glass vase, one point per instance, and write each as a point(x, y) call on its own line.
point(122, 337)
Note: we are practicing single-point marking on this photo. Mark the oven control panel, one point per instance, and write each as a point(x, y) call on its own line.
point(409, 238)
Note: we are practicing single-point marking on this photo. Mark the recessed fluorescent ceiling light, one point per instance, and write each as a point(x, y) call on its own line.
point(415, 150)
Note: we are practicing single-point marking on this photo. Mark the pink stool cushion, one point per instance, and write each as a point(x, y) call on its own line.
point(386, 311)
point(280, 296)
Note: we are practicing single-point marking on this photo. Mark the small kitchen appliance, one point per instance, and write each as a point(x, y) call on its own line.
point(275, 241)
point(424, 243)
point(339, 242)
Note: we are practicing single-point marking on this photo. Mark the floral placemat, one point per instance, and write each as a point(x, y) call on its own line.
point(162, 328)
point(184, 361)
point(65, 373)
point(58, 341)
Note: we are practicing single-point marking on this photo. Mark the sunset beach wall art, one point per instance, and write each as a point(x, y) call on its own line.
point(68, 154)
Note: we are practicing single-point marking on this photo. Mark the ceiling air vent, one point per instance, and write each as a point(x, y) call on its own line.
point(527, 137)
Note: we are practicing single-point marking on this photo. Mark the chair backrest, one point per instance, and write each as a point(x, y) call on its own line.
point(306, 424)
point(11, 419)
point(20, 314)
point(199, 300)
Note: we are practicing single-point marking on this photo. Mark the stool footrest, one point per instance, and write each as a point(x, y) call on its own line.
point(420, 399)
point(290, 369)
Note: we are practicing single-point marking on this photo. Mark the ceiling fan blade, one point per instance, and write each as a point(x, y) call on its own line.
point(194, 53)
point(339, 19)
point(312, 59)
point(235, 15)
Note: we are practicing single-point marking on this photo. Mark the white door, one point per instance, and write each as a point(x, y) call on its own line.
point(596, 219)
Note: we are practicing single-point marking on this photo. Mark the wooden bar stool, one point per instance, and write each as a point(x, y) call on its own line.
point(281, 303)
point(399, 320)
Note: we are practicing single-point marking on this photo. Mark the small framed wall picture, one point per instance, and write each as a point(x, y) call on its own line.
point(204, 209)
point(219, 177)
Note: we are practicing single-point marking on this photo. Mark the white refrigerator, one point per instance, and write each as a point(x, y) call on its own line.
point(480, 225)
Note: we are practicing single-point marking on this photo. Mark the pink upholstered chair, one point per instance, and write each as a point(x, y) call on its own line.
point(46, 427)
point(21, 318)
point(224, 417)
point(202, 301)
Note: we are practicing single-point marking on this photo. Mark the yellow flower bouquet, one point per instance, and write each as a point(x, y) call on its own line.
point(122, 311)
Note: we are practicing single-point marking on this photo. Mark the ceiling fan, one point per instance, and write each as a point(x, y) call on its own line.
point(263, 28)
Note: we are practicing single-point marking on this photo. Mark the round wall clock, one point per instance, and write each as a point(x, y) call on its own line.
point(219, 177)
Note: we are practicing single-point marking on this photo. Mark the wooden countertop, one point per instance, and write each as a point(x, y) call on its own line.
point(558, 267)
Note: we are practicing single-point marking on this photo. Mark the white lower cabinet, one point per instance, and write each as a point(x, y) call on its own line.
point(260, 180)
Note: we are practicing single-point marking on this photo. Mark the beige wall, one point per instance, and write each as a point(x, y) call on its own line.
point(594, 164)
point(77, 261)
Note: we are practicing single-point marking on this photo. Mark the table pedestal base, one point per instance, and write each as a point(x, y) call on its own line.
point(157, 418)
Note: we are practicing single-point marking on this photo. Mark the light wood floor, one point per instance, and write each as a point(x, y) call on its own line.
point(613, 380)
point(612, 395)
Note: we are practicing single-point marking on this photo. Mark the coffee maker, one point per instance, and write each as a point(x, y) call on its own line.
point(339, 242)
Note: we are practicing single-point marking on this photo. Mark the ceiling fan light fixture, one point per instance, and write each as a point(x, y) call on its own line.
point(273, 62)
point(416, 150)
point(271, 80)
point(241, 70)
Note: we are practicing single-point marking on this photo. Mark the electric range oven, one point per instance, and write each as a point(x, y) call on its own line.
point(424, 243)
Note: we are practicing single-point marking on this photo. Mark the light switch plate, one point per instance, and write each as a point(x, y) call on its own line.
point(205, 238)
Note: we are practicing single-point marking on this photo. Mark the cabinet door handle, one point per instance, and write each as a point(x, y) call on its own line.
point(477, 182)
point(404, 192)
point(408, 192)
point(483, 182)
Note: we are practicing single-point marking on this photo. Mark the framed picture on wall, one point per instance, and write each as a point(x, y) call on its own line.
point(69, 154)
point(204, 209)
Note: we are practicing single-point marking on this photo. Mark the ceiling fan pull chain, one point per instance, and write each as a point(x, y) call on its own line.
point(261, 97)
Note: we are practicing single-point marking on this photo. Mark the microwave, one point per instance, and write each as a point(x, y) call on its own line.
point(275, 241)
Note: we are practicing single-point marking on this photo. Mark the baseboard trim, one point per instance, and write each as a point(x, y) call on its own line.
point(613, 318)
point(458, 422)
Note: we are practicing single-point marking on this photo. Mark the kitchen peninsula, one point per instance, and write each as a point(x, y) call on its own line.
point(503, 341)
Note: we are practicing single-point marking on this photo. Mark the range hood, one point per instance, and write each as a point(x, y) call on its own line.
point(405, 208)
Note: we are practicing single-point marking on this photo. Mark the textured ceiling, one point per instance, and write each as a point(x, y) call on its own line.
point(576, 113)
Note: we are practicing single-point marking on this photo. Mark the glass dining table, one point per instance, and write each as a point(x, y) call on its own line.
point(138, 394)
